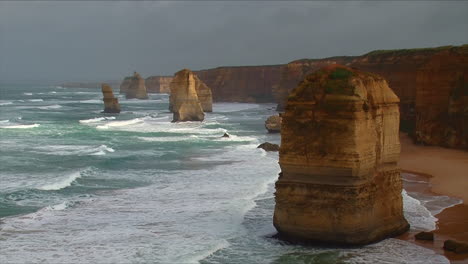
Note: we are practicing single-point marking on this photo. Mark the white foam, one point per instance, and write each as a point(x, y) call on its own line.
point(97, 119)
point(73, 150)
point(115, 124)
point(232, 107)
point(63, 183)
point(6, 103)
point(91, 101)
point(35, 100)
point(56, 106)
point(102, 150)
point(4, 121)
point(53, 92)
point(202, 254)
point(27, 93)
point(417, 215)
point(21, 126)
point(58, 207)
point(171, 139)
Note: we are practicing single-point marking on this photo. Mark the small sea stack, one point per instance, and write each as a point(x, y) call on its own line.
point(273, 124)
point(111, 104)
point(134, 87)
point(183, 101)
point(187, 77)
point(340, 146)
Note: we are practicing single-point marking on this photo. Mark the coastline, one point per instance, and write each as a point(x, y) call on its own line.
point(439, 171)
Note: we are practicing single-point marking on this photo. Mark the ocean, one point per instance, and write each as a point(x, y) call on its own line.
point(80, 186)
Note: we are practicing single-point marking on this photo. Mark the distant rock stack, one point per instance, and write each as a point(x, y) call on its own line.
point(203, 92)
point(134, 87)
point(111, 104)
point(340, 182)
point(273, 124)
point(184, 101)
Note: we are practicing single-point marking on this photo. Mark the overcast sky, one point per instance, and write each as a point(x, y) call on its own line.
point(86, 40)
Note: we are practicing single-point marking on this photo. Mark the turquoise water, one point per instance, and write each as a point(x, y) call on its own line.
point(85, 187)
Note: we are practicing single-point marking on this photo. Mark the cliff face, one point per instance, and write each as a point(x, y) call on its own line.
point(424, 79)
point(111, 104)
point(134, 87)
point(184, 101)
point(186, 77)
point(242, 84)
point(158, 84)
point(339, 150)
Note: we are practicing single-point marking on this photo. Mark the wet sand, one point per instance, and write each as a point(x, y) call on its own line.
point(445, 172)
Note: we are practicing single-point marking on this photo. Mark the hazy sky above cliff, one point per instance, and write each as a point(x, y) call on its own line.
point(86, 40)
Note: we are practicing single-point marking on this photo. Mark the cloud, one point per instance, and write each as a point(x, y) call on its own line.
point(108, 40)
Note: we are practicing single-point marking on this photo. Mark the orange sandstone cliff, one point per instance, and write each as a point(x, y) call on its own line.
point(252, 84)
point(340, 182)
point(184, 101)
point(431, 83)
point(134, 87)
point(185, 78)
point(111, 104)
point(158, 84)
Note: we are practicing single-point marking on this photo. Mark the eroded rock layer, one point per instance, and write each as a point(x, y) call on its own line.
point(185, 78)
point(339, 150)
point(429, 82)
point(273, 124)
point(184, 101)
point(134, 87)
point(111, 104)
point(158, 84)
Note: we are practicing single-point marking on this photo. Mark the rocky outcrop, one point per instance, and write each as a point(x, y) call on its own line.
point(158, 84)
point(339, 150)
point(424, 236)
point(273, 124)
point(456, 246)
point(134, 87)
point(184, 102)
point(426, 81)
point(186, 77)
point(111, 104)
point(249, 84)
point(267, 146)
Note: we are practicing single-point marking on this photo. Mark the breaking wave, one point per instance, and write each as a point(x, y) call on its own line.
point(97, 119)
point(61, 184)
point(21, 126)
point(56, 106)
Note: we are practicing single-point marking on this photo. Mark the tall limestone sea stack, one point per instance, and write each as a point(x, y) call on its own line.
point(111, 104)
point(340, 183)
point(134, 87)
point(184, 101)
point(186, 77)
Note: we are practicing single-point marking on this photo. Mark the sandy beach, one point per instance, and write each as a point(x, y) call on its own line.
point(446, 173)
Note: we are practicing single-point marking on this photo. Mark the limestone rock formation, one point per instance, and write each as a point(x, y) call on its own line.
point(426, 81)
point(456, 246)
point(134, 87)
point(424, 236)
point(273, 124)
point(339, 150)
point(158, 84)
point(267, 146)
point(111, 104)
point(184, 101)
point(185, 78)
point(248, 84)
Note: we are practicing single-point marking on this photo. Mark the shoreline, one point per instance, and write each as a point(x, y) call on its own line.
point(439, 172)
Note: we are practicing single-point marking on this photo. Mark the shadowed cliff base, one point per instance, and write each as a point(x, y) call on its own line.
point(339, 150)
